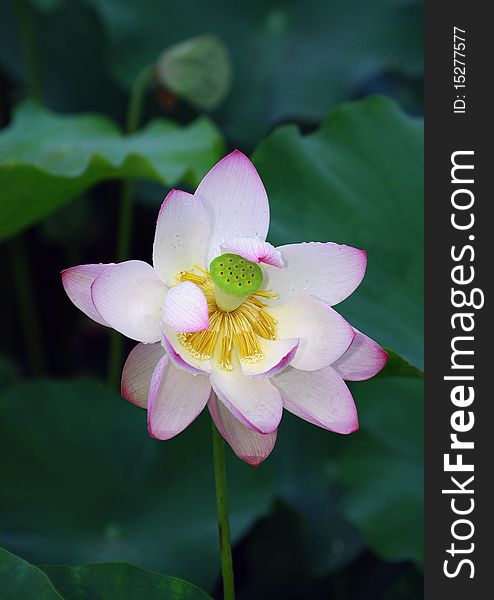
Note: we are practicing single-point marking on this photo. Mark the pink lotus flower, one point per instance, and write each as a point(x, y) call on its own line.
point(224, 319)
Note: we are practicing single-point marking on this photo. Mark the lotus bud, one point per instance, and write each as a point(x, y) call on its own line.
point(198, 70)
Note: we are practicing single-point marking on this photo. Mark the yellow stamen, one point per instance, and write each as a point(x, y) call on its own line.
point(236, 331)
point(206, 273)
point(186, 276)
point(265, 294)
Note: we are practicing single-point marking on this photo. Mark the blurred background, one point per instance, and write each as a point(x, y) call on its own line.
point(104, 106)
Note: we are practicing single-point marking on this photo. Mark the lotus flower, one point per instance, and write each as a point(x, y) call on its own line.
point(226, 320)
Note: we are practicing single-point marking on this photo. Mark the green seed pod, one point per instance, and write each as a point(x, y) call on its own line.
point(198, 70)
point(235, 279)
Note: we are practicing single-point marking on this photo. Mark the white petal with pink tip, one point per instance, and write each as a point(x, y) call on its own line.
point(138, 370)
point(320, 397)
point(277, 354)
point(249, 445)
point(185, 308)
point(324, 334)
point(253, 401)
point(235, 195)
point(330, 272)
point(77, 282)
point(182, 235)
point(363, 359)
point(175, 399)
point(129, 296)
point(255, 250)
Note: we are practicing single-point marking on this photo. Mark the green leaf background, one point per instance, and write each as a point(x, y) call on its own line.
point(120, 495)
point(292, 60)
point(95, 582)
point(48, 159)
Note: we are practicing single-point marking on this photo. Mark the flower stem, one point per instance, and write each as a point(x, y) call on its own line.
point(136, 99)
point(28, 44)
point(27, 306)
point(21, 271)
point(222, 510)
point(126, 209)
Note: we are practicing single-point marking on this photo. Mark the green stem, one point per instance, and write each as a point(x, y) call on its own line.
point(134, 115)
point(115, 358)
point(137, 93)
point(28, 44)
point(125, 219)
point(222, 510)
point(18, 256)
point(27, 305)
